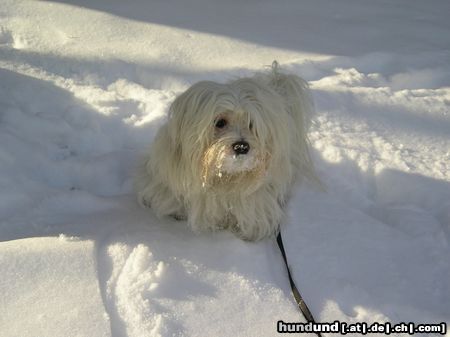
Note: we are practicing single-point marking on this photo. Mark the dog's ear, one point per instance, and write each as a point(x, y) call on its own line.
point(189, 109)
point(299, 104)
point(295, 92)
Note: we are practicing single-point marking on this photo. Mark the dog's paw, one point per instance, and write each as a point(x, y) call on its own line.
point(234, 228)
point(144, 202)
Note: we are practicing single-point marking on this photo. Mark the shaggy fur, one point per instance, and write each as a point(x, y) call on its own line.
point(193, 171)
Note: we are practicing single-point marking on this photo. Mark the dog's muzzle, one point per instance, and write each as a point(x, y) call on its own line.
point(241, 147)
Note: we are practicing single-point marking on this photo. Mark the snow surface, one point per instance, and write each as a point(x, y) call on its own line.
point(46, 281)
point(84, 85)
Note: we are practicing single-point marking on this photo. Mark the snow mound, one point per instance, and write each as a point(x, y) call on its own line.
point(50, 288)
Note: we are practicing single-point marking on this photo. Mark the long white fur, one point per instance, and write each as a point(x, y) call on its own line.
point(191, 171)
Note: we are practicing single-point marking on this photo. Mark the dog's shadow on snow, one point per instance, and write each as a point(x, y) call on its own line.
point(374, 245)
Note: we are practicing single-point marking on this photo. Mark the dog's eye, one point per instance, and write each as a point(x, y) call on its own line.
point(221, 123)
point(250, 126)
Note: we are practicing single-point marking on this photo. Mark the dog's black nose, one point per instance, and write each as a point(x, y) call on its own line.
point(241, 147)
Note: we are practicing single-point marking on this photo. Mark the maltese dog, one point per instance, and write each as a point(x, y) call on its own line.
point(230, 153)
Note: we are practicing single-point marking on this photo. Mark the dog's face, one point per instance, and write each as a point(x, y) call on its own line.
point(234, 155)
point(234, 147)
point(228, 133)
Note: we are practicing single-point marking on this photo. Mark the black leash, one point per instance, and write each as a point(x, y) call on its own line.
point(298, 298)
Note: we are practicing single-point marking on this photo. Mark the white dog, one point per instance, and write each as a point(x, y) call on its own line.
point(229, 154)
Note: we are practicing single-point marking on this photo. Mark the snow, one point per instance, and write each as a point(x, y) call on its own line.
point(45, 283)
point(84, 85)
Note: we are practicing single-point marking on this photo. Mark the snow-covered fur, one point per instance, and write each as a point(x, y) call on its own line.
point(229, 154)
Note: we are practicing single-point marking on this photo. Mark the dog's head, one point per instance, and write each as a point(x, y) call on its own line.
point(230, 135)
